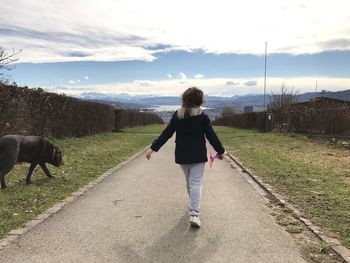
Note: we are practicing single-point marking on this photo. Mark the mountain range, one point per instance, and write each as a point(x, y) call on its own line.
point(237, 102)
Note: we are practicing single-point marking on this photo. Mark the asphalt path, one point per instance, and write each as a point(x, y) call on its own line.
point(139, 214)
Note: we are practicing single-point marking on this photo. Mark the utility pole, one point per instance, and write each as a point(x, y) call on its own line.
point(265, 78)
point(265, 110)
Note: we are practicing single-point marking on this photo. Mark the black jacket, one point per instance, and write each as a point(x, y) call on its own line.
point(190, 138)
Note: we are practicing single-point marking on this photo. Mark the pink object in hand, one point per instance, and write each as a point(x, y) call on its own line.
point(211, 160)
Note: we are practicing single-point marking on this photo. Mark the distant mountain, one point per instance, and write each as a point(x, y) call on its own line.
point(121, 100)
point(125, 100)
point(237, 102)
point(340, 95)
point(160, 100)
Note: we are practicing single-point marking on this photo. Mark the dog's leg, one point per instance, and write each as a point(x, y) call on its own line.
point(9, 165)
point(2, 180)
point(29, 175)
point(2, 176)
point(46, 170)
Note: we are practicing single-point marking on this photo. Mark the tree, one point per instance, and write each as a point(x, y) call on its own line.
point(281, 103)
point(6, 59)
point(227, 111)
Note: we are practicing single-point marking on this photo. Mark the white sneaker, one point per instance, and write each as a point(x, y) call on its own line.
point(194, 221)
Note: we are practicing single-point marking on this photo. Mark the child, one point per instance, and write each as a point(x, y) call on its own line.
point(191, 126)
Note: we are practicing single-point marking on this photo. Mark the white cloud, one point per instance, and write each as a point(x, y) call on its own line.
point(86, 77)
point(169, 76)
point(182, 75)
point(130, 30)
point(77, 80)
point(198, 76)
point(250, 83)
point(143, 83)
point(71, 82)
point(231, 82)
point(214, 86)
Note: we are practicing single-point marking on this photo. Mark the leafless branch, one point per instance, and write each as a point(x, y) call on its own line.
point(282, 102)
point(6, 59)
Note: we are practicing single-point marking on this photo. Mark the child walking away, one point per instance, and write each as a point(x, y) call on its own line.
point(191, 126)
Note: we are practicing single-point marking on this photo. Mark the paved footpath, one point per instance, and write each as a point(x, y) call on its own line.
point(139, 214)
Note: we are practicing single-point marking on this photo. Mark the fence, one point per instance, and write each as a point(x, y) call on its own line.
point(327, 122)
point(321, 116)
point(35, 112)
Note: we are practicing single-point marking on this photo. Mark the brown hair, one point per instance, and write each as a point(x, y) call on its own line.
point(192, 97)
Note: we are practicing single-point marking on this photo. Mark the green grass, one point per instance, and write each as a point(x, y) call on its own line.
point(313, 176)
point(85, 159)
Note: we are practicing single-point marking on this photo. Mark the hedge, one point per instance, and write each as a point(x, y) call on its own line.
point(36, 112)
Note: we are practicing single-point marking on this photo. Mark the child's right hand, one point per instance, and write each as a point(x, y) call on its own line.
point(149, 153)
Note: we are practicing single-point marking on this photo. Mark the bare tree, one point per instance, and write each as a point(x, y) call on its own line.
point(281, 103)
point(6, 59)
point(227, 111)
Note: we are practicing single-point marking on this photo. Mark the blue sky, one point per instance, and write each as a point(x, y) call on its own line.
point(153, 47)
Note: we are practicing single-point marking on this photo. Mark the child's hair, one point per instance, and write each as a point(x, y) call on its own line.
point(192, 97)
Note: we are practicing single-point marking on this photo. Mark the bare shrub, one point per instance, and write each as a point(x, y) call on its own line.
point(280, 106)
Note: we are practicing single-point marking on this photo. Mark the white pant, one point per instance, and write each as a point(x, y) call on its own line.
point(194, 175)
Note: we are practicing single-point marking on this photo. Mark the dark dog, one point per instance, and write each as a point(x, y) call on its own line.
point(30, 149)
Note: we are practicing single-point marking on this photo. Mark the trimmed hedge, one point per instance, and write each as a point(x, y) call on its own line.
point(132, 118)
point(247, 120)
point(35, 112)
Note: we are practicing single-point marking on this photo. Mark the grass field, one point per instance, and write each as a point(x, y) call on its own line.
point(312, 175)
point(85, 159)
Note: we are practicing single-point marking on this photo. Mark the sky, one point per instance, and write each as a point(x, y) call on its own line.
point(161, 48)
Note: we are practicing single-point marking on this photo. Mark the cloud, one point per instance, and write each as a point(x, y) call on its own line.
point(198, 76)
point(143, 83)
point(63, 88)
point(250, 83)
point(72, 91)
point(77, 54)
point(231, 82)
point(169, 76)
point(341, 43)
point(73, 81)
point(86, 77)
point(130, 30)
point(182, 75)
point(211, 86)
